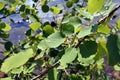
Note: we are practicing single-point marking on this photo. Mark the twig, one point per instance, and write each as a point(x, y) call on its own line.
point(100, 22)
point(45, 71)
point(109, 15)
point(80, 40)
point(8, 15)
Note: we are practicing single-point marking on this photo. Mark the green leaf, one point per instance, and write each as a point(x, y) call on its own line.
point(55, 40)
point(75, 1)
point(67, 29)
point(95, 5)
point(84, 13)
point(48, 29)
point(104, 28)
point(88, 48)
point(33, 18)
point(8, 46)
point(35, 26)
point(114, 56)
point(69, 4)
point(5, 27)
point(118, 23)
point(87, 52)
point(28, 32)
point(17, 70)
point(29, 69)
point(55, 10)
point(8, 1)
point(45, 8)
point(118, 42)
point(85, 31)
point(52, 74)
point(75, 21)
point(66, 19)
point(7, 78)
point(101, 50)
point(69, 56)
point(43, 45)
point(22, 8)
point(16, 60)
point(86, 61)
point(117, 67)
point(75, 77)
point(4, 34)
point(1, 6)
point(43, 2)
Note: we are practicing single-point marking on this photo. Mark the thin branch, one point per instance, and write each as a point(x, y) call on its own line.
point(45, 70)
point(80, 40)
point(100, 22)
point(8, 15)
point(109, 15)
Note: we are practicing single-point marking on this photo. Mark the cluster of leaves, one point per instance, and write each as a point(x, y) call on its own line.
point(74, 49)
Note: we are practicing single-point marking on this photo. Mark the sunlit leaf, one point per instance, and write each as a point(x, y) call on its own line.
point(16, 60)
point(17, 70)
point(118, 23)
point(85, 31)
point(35, 26)
point(55, 39)
point(5, 27)
point(88, 50)
point(33, 18)
point(65, 19)
point(7, 78)
point(84, 13)
point(104, 28)
point(86, 61)
point(100, 63)
point(117, 67)
point(75, 77)
point(55, 10)
point(8, 1)
point(95, 5)
point(43, 45)
point(101, 50)
point(1, 6)
point(69, 56)
point(43, 2)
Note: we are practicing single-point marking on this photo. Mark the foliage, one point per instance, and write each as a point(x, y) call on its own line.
point(76, 48)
